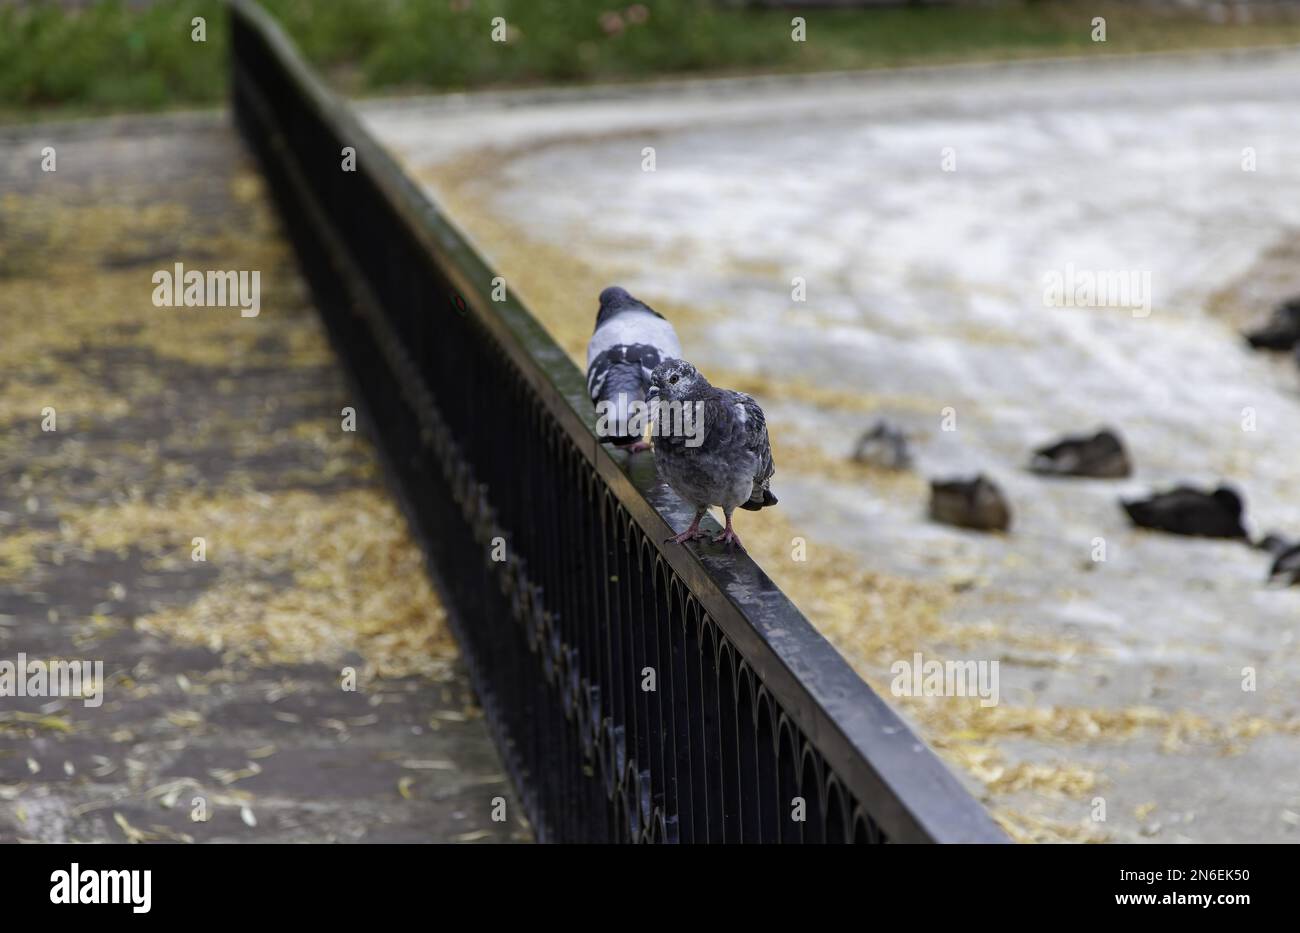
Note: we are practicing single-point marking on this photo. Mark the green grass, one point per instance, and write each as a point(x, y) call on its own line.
point(109, 58)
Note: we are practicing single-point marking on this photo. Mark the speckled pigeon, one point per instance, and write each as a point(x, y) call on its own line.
point(721, 458)
point(630, 340)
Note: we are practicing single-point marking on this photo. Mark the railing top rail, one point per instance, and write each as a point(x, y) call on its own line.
point(909, 792)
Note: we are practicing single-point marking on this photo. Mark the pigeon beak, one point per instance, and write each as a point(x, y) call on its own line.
point(652, 393)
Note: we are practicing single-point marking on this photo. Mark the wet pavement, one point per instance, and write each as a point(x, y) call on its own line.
point(180, 503)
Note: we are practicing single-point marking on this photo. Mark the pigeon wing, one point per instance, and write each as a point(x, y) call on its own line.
point(623, 368)
point(752, 436)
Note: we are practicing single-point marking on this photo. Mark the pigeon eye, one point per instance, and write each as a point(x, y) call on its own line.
point(672, 381)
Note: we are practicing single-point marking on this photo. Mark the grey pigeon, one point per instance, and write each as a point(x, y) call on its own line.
point(722, 457)
point(1188, 511)
point(970, 503)
point(1286, 569)
point(1101, 455)
point(630, 340)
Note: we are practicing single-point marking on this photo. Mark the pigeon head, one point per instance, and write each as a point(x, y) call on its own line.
point(612, 301)
point(615, 296)
point(675, 381)
point(615, 300)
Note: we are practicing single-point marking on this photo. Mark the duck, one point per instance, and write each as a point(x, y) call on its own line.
point(884, 446)
point(975, 503)
point(1286, 568)
point(1100, 455)
point(1281, 331)
point(1185, 510)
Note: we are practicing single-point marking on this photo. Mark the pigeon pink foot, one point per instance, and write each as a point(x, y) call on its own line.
point(729, 535)
point(691, 533)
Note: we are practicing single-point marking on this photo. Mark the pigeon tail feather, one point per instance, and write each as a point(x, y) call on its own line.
point(761, 502)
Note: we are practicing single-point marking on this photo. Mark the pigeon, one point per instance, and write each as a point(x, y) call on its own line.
point(1188, 511)
point(884, 446)
point(1286, 569)
point(1102, 455)
point(629, 341)
point(1281, 331)
point(711, 446)
point(974, 503)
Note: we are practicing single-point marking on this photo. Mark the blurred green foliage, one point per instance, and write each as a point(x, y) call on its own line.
point(109, 57)
point(114, 56)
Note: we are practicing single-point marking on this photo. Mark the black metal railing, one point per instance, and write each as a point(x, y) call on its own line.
point(488, 433)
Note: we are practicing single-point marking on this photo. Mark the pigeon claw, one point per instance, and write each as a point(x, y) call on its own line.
point(730, 537)
point(690, 534)
point(637, 447)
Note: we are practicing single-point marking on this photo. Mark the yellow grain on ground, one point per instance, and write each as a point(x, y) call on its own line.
point(64, 293)
point(302, 576)
point(357, 578)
